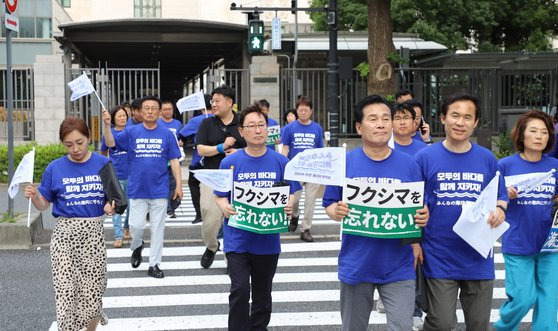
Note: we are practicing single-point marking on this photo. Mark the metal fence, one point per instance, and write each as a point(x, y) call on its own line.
point(114, 86)
point(23, 105)
point(503, 94)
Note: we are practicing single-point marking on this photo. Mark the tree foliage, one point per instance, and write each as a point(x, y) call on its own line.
point(484, 25)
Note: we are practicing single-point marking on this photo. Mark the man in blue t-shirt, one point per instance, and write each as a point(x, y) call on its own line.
point(174, 125)
point(264, 107)
point(455, 172)
point(367, 263)
point(136, 113)
point(404, 128)
point(252, 257)
point(300, 135)
point(149, 146)
point(188, 135)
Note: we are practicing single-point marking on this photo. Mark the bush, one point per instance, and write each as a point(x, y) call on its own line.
point(44, 154)
point(504, 144)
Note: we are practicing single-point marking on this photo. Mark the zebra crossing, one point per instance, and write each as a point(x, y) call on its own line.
point(305, 295)
point(305, 290)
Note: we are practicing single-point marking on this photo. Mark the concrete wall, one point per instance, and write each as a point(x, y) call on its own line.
point(264, 82)
point(49, 97)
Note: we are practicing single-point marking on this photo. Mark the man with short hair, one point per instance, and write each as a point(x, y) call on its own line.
point(404, 128)
point(404, 95)
point(217, 137)
point(188, 135)
point(421, 129)
point(455, 172)
point(252, 257)
point(150, 146)
point(367, 263)
point(136, 113)
point(166, 120)
point(264, 107)
point(300, 135)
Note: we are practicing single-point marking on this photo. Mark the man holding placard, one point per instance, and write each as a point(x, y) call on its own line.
point(456, 172)
point(253, 220)
point(298, 136)
point(381, 202)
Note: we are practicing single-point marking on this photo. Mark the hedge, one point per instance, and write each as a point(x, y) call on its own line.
point(44, 154)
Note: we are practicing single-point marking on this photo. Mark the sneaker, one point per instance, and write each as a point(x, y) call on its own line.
point(293, 224)
point(118, 243)
point(127, 234)
point(418, 323)
point(207, 258)
point(306, 236)
point(155, 272)
point(380, 306)
point(136, 256)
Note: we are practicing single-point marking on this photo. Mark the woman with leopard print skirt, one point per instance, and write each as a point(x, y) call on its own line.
point(78, 253)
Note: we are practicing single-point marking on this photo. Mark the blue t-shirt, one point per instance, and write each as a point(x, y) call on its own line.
point(191, 128)
point(300, 137)
point(119, 158)
point(529, 214)
point(283, 128)
point(270, 170)
point(412, 148)
point(148, 153)
point(131, 122)
point(271, 122)
point(451, 179)
point(74, 189)
point(174, 125)
point(374, 260)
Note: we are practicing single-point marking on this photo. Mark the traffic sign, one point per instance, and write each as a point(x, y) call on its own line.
point(11, 6)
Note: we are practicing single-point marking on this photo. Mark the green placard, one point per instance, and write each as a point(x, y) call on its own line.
point(259, 220)
point(273, 134)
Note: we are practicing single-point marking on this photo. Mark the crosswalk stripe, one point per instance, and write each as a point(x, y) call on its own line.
point(193, 322)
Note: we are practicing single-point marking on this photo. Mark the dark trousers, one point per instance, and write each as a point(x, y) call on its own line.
point(256, 271)
point(194, 186)
point(172, 187)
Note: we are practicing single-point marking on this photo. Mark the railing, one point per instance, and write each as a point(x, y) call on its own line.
point(23, 105)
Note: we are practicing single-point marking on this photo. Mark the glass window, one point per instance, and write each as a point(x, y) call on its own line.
point(44, 8)
point(44, 27)
point(26, 8)
point(147, 8)
point(26, 27)
point(65, 3)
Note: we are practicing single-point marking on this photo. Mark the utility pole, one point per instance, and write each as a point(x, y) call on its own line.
point(333, 75)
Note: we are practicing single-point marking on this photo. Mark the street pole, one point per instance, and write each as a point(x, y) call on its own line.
point(333, 75)
point(295, 60)
point(9, 82)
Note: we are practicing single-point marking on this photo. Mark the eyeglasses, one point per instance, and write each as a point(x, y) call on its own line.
point(404, 118)
point(254, 127)
point(150, 108)
point(214, 101)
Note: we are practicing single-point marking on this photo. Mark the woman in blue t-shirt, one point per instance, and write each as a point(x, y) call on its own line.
point(78, 254)
point(530, 274)
point(119, 159)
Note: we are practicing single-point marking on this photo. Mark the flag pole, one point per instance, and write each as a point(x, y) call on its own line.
point(94, 90)
point(343, 191)
point(29, 206)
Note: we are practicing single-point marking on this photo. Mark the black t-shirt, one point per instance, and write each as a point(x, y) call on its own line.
point(213, 132)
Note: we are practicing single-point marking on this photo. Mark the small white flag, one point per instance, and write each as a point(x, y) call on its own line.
point(23, 173)
point(218, 179)
point(391, 142)
point(324, 166)
point(80, 86)
point(527, 182)
point(472, 225)
point(192, 102)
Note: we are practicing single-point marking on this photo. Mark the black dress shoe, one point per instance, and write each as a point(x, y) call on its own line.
point(293, 224)
point(155, 272)
point(306, 236)
point(136, 256)
point(197, 220)
point(173, 215)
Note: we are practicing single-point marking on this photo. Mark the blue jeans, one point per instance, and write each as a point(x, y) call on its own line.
point(530, 280)
point(116, 218)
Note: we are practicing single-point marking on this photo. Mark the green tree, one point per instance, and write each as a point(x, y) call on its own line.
point(485, 25)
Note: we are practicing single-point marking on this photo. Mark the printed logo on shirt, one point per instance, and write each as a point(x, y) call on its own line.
point(87, 190)
point(454, 188)
point(257, 179)
point(151, 147)
point(304, 140)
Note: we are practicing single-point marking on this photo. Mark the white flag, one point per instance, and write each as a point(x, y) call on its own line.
point(23, 173)
point(192, 102)
point(527, 182)
point(218, 179)
point(472, 225)
point(391, 142)
point(80, 86)
point(324, 166)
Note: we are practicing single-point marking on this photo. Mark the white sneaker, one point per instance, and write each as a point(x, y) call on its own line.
point(380, 306)
point(418, 323)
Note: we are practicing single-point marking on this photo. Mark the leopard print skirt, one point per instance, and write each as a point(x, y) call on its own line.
point(79, 271)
